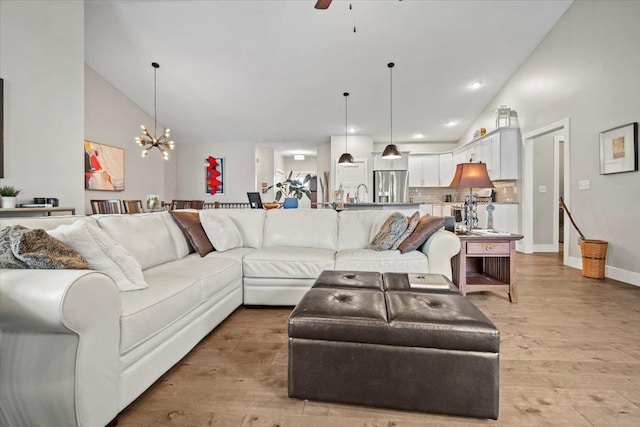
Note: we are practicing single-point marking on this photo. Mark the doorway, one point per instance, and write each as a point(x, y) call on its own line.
point(542, 190)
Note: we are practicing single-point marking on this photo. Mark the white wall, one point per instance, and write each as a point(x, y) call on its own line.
point(264, 171)
point(239, 172)
point(587, 69)
point(309, 164)
point(324, 164)
point(543, 224)
point(42, 63)
point(112, 119)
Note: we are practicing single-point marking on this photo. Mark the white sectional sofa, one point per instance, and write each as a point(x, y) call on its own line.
point(75, 351)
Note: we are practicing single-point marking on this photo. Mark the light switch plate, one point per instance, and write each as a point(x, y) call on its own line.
point(584, 184)
point(542, 189)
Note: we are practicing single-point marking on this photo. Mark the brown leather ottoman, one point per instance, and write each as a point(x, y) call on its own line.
point(352, 341)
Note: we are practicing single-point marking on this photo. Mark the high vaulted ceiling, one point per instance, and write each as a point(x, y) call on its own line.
point(274, 71)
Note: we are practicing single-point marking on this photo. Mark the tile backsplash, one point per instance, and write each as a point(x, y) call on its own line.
point(432, 194)
point(506, 191)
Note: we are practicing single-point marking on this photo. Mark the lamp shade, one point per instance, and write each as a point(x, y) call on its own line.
point(345, 159)
point(469, 175)
point(391, 152)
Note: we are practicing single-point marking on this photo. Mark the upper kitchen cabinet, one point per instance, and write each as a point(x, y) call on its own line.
point(499, 149)
point(431, 170)
point(446, 169)
point(424, 171)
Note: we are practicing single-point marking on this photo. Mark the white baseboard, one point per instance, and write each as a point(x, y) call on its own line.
point(545, 248)
point(615, 273)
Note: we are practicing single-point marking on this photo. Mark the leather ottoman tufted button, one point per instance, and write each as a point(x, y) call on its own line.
point(343, 298)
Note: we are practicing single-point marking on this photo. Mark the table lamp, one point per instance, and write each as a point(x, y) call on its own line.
point(470, 175)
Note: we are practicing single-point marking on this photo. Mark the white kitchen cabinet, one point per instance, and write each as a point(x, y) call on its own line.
point(495, 172)
point(431, 170)
point(500, 150)
point(446, 169)
point(465, 154)
point(424, 171)
point(415, 171)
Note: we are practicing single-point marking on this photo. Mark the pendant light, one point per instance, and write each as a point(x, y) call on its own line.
point(391, 150)
point(346, 158)
point(146, 141)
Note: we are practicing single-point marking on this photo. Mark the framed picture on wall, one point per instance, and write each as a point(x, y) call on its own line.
point(619, 149)
point(103, 167)
point(214, 175)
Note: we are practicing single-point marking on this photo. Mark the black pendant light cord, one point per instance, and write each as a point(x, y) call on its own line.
point(391, 65)
point(346, 112)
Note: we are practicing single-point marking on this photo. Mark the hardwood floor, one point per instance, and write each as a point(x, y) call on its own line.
point(569, 356)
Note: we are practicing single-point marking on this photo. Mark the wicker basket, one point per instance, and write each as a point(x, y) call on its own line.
point(594, 253)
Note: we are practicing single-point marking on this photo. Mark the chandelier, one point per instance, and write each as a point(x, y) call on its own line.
point(146, 141)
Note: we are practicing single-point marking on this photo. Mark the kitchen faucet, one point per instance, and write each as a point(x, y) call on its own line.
point(366, 191)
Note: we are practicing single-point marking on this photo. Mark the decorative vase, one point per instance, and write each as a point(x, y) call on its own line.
point(9, 202)
point(290, 203)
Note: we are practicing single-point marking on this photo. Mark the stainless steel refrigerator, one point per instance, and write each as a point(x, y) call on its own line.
point(391, 186)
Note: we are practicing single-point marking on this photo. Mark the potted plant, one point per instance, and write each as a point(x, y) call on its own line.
point(9, 195)
point(292, 190)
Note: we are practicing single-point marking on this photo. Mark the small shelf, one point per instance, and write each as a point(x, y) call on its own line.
point(474, 279)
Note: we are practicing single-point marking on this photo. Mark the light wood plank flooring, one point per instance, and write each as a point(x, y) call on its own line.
point(570, 356)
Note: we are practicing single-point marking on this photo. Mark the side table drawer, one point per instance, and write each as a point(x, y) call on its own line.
point(485, 248)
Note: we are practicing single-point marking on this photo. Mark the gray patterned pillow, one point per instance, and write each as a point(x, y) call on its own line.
point(413, 223)
point(391, 230)
point(39, 250)
point(7, 258)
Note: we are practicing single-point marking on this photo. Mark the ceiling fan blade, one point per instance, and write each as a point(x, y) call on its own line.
point(322, 4)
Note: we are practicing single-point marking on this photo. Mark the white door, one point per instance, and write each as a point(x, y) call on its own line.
point(351, 176)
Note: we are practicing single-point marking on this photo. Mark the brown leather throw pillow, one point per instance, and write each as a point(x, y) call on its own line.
point(189, 223)
point(427, 226)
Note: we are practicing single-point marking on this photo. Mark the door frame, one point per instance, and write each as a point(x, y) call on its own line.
point(527, 183)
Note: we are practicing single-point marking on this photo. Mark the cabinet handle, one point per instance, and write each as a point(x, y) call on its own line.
point(487, 248)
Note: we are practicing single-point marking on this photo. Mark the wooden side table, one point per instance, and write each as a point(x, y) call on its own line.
point(486, 263)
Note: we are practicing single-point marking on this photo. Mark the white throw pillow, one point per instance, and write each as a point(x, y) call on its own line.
point(222, 232)
point(102, 253)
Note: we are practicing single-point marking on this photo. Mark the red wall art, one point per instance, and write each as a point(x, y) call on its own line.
point(214, 175)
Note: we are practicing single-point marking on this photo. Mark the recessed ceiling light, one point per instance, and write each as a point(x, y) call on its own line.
point(418, 135)
point(352, 130)
point(451, 123)
point(298, 157)
point(475, 85)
